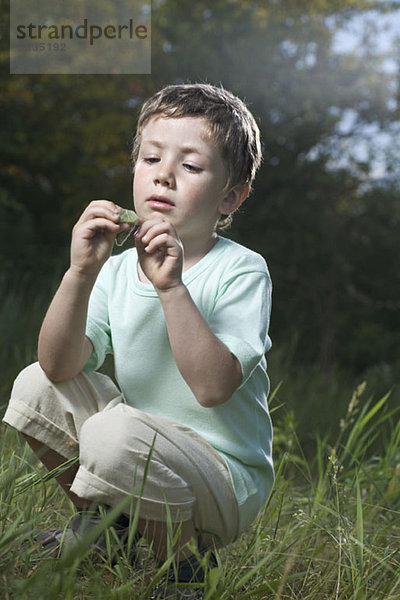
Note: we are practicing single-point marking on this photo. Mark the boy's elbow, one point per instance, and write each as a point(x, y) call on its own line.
point(55, 373)
point(210, 396)
point(211, 402)
point(52, 374)
point(59, 377)
point(209, 399)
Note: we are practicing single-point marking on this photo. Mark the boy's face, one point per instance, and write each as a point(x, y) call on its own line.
point(180, 176)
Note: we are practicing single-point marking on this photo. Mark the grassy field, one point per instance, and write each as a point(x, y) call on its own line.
point(331, 529)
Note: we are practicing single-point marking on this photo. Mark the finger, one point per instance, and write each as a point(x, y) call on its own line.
point(151, 230)
point(98, 225)
point(101, 208)
point(165, 242)
point(146, 225)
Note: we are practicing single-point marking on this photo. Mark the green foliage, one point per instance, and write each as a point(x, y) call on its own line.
point(330, 529)
point(326, 234)
point(23, 306)
point(331, 237)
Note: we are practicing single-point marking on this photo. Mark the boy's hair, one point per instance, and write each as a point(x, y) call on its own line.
point(232, 126)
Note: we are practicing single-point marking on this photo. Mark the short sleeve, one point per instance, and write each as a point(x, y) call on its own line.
point(98, 324)
point(241, 314)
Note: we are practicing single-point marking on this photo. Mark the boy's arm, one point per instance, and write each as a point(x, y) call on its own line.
point(63, 348)
point(206, 364)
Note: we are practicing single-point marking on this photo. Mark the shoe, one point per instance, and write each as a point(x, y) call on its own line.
point(183, 585)
point(55, 542)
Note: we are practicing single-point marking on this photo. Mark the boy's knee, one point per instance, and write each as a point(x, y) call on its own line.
point(31, 382)
point(102, 444)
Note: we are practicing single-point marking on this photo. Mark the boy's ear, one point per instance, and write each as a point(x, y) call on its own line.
point(234, 198)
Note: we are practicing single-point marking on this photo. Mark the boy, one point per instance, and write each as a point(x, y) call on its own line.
point(185, 315)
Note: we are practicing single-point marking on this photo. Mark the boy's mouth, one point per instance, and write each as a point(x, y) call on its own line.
point(160, 202)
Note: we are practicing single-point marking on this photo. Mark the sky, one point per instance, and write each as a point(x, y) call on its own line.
point(386, 30)
point(386, 37)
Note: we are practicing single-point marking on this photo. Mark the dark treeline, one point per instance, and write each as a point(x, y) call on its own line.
point(329, 230)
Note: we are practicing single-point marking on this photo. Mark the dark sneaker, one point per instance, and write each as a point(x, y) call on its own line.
point(55, 542)
point(183, 585)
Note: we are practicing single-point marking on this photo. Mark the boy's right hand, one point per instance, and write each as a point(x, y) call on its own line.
point(93, 237)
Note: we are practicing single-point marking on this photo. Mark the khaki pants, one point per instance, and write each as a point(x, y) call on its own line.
point(88, 416)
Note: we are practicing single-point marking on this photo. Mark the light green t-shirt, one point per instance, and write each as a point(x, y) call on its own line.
point(232, 289)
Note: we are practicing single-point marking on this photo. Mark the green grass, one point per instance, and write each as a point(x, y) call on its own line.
point(330, 530)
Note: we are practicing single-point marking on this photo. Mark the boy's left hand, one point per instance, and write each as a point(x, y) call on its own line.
point(160, 253)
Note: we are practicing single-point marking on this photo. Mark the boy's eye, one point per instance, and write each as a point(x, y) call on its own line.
point(192, 168)
point(151, 159)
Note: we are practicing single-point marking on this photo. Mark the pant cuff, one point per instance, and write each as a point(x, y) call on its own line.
point(26, 420)
point(91, 487)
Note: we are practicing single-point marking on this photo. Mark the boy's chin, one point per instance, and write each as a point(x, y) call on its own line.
point(159, 214)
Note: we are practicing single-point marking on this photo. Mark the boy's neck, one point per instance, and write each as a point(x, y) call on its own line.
point(193, 252)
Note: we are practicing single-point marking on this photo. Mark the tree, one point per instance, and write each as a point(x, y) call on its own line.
point(67, 141)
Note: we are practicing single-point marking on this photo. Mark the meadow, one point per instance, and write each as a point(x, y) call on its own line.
point(322, 79)
point(330, 530)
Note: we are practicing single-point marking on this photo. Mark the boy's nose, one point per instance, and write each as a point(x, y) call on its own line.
point(164, 176)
